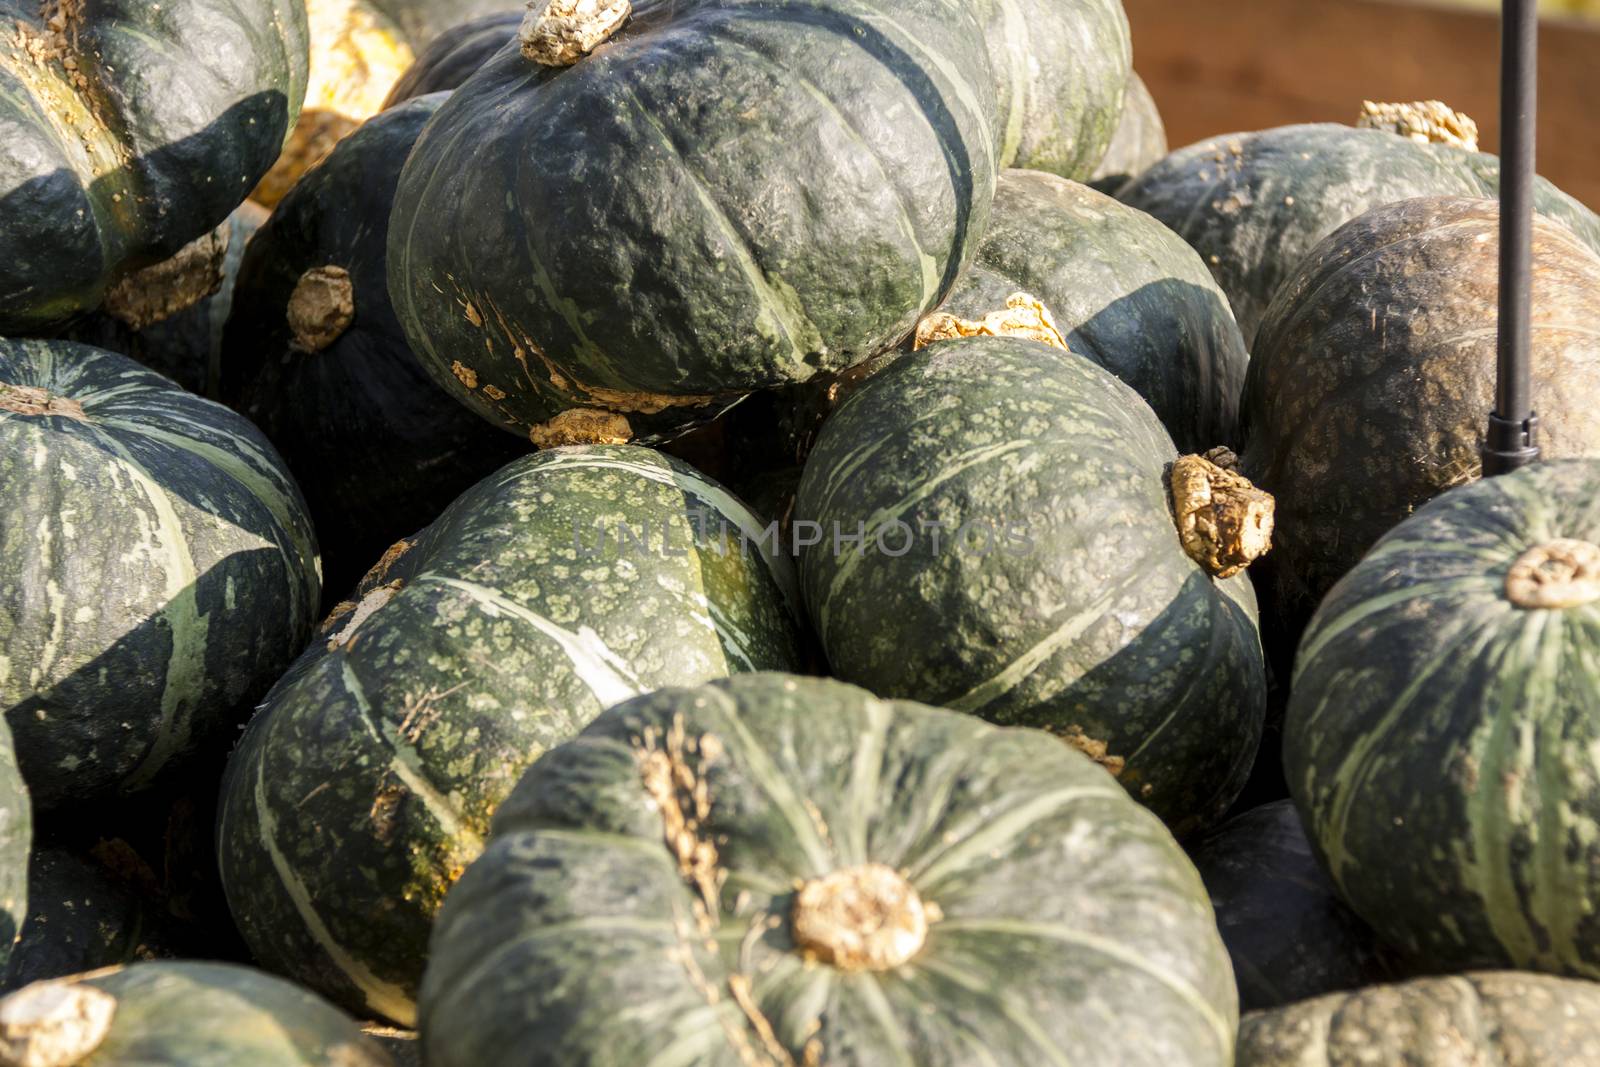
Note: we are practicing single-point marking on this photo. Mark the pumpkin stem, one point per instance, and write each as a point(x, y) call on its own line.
point(1563, 573)
point(31, 400)
point(321, 307)
point(558, 33)
point(1224, 521)
point(1425, 121)
point(582, 426)
point(866, 918)
point(159, 292)
point(1023, 316)
point(53, 1024)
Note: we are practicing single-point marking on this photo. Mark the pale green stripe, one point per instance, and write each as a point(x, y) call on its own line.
point(997, 829)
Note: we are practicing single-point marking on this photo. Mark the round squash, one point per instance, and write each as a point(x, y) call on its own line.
point(1139, 143)
point(194, 1014)
point(1288, 934)
point(1441, 724)
point(315, 358)
point(132, 130)
point(1018, 559)
point(158, 569)
point(566, 582)
point(1500, 1017)
point(16, 833)
point(455, 55)
point(1254, 205)
point(730, 197)
point(1374, 373)
point(775, 870)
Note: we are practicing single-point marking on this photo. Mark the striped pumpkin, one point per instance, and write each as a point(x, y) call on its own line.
point(156, 569)
point(365, 785)
point(1443, 723)
point(16, 833)
point(772, 871)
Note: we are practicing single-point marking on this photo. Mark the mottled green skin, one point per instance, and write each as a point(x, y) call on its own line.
point(1139, 143)
point(1073, 930)
point(727, 197)
point(1254, 205)
point(1440, 740)
point(1124, 290)
point(1086, 618)
point(377, 447)
point(1060, 71)
point(1505, 1018)
point(80, 918)
point(455, 55)
point(221, 1015)
point(16, 833)
point(1289, 936)
point(366, 783)
point(1374, 372)
point(159, 570)
point(184, 106)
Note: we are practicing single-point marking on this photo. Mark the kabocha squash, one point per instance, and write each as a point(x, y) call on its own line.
point(16, 834)
point(1018, 558)
point(1442, 723)
point(455, 55)
point(1124, 291)
point(775, 870)
point(1139, 143)
point(1254, 205)
point(315, 357)
point(194, 1014)
point(159, 569)
point(1374, 372)
point(1288, 934)
point(566, 582)
point(1501, 1017)
point(729, 197)
point(132, 130)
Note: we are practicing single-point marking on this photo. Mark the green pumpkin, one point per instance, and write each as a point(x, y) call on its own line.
point(1441, 725)
point(1374, 373)
point(1254, 205)
point(423, 20)
point(193, 1014)
point(455, 55)
point(16, 833)
point(1499, 1017)
point(1020, 561)
point(365, 784)
point(132, 129)
point(746, 196)
point(1140, 141)
point(158, 571)
point(776, 870)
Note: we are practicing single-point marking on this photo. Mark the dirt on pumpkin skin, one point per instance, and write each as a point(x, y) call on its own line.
point(1096, 750)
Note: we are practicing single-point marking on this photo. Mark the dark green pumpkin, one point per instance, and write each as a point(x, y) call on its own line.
point(16, 834)
point(193, 1014)
point(651, 894)
point(1139, 143)
point(1374, 372)
point(1068, 603)
point(167, 117)
point(1254, 205)
point(377, 447)
point(158, 569)
point(1498, 1017)
point(365, 784)
point(1288, 934)
point(455, 55)
point(1442, 728)
point(745, 196)
point(424, 20)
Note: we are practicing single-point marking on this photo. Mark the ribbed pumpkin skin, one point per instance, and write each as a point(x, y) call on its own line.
point(16, 833)
point(1124, 290)
point(1289, 936)
point(159, 570)
point(1091, 622)
point(455, 55)
point(1374, 372)
point(366, 783)
point(1439, 738)
point(747, 195)
point(221, 1015)
point(1139, 143)
point(1072, 931)
point(377, 447)
point(1254, 205)
point(1499, 1017)
point(179, 108)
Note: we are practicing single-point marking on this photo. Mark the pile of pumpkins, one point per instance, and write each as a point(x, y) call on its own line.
point(831, 546)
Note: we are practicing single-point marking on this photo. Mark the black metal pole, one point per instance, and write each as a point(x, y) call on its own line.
point(1512, 439)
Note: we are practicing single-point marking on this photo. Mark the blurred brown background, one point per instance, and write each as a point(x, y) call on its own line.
point(1218, 66)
